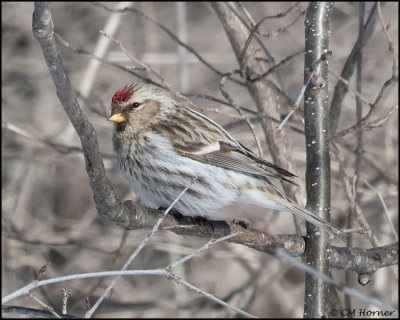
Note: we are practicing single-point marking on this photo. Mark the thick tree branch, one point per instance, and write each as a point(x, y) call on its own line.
point(107, 203)
point(318, 181)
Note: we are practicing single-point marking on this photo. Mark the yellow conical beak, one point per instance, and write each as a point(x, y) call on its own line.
point(117, 118)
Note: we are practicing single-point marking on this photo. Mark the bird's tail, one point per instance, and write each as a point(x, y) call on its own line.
point(278, 201)
point(312, 218)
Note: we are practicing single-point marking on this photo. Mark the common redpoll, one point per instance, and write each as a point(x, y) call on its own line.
point(162, 145)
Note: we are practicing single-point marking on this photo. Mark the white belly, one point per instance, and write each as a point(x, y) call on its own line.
point(162, 175)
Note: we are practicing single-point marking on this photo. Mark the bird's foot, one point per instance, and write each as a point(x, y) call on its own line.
point(245, 223)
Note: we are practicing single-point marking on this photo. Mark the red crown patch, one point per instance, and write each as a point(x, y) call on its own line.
point(122, 95)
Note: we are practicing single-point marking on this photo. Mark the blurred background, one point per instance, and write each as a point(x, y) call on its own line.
point(48, 212)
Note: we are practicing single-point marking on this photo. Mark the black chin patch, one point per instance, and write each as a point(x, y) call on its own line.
point(120, 126)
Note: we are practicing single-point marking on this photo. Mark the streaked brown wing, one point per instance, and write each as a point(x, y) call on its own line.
point(234, 158)
point(196, 136)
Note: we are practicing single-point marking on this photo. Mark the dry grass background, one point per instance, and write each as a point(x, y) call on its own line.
point(48, 212)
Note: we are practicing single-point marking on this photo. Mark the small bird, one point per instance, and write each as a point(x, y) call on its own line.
point(163, 145)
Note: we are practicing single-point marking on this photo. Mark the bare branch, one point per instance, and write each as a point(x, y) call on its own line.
point(312, 76)
point(261, 92)
point(318, 172)
point(328, 280)
point(108, 205)
point(348, 191)
point(359, 147)
point(388, 39)
point(101, 49)
point(168, 32)
point(364, 121)
point(44, 305)
point(396, 236)
point(239, 110)
point(56, 146)
point(347, 71)
point(103, 60)
point(31, 312)
point(139, 248)
point(279, 64)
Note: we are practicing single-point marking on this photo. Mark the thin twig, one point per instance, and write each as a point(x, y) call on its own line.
point(168, 32)
point(348, 191)
point(340, 90)
point(220, 101)
point(310, 78)
point(388, 39)
point(234, 8)
point(148, 80)
point(130, 57)
point(37, 284)
point(279, 64)
point(100, 50)
point(284, 28)
point(359, 147)
point(205, 247)
point(394, 78)
point(89, 313)
point(254, 29)
point(353, 91)
point(258, 118)
point(55, 146)
point(294, 108)
point(209, 296)
point(243, 56)
point(46, 306)
point(239, 110)
point(357, 259)
point(66, 294)
point(166, 272)
point(148, 68)
point(396, 236)
point(103, 60)
point(363, 122)
point(246, 13)
point(380, 121)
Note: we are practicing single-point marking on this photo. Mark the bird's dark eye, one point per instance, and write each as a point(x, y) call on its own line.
point(135, 105)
